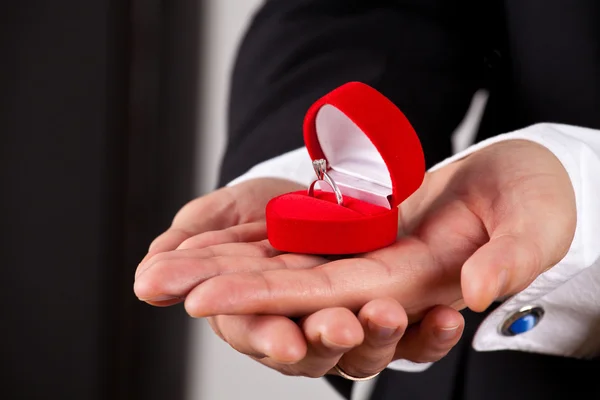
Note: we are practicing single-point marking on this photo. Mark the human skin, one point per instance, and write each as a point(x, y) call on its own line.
point(479, 229)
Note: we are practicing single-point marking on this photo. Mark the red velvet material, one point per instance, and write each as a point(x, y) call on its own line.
point(299, 223)
point(387, 128)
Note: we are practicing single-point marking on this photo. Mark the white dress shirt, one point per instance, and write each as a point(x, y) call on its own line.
point(568, 293)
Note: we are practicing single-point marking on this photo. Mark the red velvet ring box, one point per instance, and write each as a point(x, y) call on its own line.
point(373, 155)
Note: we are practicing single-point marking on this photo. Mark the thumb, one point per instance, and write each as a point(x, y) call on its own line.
point(505, 265)
point(527, 205)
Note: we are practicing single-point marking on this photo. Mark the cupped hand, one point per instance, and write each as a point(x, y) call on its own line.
point(478, 229)
point(228, 224)
point(232, 214)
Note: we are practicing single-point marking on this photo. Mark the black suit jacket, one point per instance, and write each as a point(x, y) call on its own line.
point(538, 59)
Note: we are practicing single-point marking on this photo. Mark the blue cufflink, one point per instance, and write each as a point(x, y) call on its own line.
point(522, 321)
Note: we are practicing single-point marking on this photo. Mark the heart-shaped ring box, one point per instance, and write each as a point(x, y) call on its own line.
point(373, 155)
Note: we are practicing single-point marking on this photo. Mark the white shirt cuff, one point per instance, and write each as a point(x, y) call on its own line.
point(295, 166)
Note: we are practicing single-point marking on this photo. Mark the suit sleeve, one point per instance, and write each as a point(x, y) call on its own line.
point(421, 54)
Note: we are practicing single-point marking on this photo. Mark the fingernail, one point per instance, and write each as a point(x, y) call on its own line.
point(446, 334)
point(501, 282)
point(382, 332)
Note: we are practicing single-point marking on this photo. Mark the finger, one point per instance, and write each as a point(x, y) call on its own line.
point(495, 269)
point(274, 337)
point(251, 232)
point(431, 339)
point(329, 334)
point(175, 278)
point(158, 294)
point(384, 322)
point(508, 263)
point(351, 283)
point(531, 225)
point(221, 209)
point(257, 249)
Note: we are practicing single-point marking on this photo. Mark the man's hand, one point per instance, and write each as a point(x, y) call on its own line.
point(479, 229)
point(229, 215)
point(229, 225)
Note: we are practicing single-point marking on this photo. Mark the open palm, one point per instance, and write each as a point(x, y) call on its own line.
point(480, 228)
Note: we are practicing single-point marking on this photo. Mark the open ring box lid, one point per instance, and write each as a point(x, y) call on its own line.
point(373, 155)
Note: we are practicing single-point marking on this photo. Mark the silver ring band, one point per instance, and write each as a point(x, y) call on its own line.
point(320, 167)
point(343, 374)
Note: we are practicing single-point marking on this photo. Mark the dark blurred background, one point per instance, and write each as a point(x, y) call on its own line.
point(98, 105)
